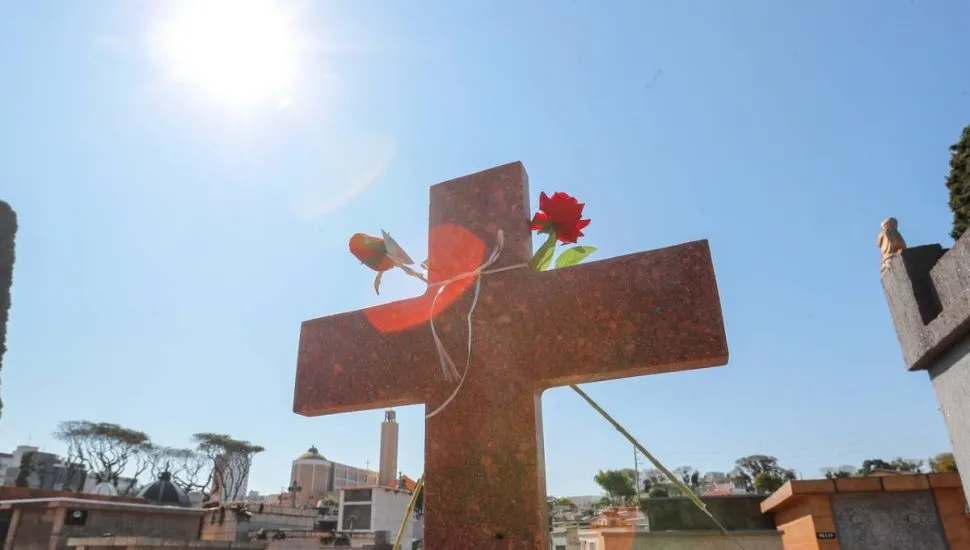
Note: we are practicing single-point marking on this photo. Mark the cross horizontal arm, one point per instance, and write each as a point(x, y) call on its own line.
point(644, 313)
point(348, 363)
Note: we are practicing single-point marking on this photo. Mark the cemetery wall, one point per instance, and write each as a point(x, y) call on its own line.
point(43, 525)
point(153, 543)
point(736, 513)
point(221, 523)
point(872, 512)
point(683, 540)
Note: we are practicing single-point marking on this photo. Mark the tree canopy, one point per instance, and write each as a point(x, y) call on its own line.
point(958, 184)
point(8, 231)
point(105, 450)
point(897, 464)
point(619, 485)
point(232, 459)
point(943, 462)
point(111, 452)
point(760, 473)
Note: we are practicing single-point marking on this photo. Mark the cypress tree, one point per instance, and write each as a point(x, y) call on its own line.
point(8, 230)
point(958, 183)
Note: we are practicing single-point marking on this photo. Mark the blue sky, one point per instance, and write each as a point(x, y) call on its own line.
point(171, 242)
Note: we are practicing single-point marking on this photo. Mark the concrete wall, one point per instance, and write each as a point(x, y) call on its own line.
point(742, 513)
point(43, 528)
point(682, 540)
point(221, 523)
point(151, 543)
point(928, 292)
point(951, 380)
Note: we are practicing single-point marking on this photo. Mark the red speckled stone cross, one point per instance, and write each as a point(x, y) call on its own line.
point(643, 313)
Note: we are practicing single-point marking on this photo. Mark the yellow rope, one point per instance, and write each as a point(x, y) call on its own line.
point(670, 475)
point(656, 463)
point(407, 515)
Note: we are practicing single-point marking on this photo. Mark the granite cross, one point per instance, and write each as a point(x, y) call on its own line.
point(643, 313)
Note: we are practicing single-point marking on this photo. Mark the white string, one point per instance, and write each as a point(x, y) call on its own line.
point(448, 368)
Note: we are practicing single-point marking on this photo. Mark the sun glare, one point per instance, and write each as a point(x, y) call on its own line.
point(237, 51)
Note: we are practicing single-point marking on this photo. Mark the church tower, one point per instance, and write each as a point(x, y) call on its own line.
point(388, 469)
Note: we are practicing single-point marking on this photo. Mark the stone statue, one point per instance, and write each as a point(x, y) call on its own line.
point(890, 242)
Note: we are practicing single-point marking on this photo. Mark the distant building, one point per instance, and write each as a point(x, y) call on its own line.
point(388, 475)
point(374, 509)
point(44, 470)
point(314, 477)
point(6, 462)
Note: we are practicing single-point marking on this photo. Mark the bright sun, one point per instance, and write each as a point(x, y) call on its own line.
point(238, 51)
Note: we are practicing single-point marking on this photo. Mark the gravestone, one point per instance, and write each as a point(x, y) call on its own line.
point(888, 521)
point(638, 314)
point(928, 292)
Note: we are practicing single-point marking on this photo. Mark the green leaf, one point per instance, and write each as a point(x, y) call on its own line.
point(394, 250)
point(574, 255)
point(377, 282)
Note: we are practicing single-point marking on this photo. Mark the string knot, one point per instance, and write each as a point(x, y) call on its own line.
point(448, 368)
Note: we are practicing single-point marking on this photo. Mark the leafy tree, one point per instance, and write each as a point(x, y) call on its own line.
point(26, 468)
point(943, 462)
point(8, 230)
point(619, 485)
point(958, 183)
point(689, 475)
point(659, 492)
point(105, 449)
point(769, 482)
point(190, 469)
point(231, 459)
point(840, 472)
point(747, 469)
point(897, 464)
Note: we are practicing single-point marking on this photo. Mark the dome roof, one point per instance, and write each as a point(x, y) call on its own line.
point(311, 454)
point(164, 491)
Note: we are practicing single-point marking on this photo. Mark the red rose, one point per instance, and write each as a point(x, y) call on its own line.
point(371, 251)
point(560, 214)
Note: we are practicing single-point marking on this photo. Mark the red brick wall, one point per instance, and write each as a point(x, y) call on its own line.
point(17, 493)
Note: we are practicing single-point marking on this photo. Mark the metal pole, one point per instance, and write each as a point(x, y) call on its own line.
point(636, 468)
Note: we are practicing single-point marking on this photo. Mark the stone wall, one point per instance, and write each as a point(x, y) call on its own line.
point(741, 512)
point(888, 521)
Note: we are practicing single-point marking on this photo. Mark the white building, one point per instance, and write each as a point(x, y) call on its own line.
point(373, 509)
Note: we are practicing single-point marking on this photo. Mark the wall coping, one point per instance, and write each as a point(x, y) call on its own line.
point(135, 542)
point(98, 504)
point(893, 483)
